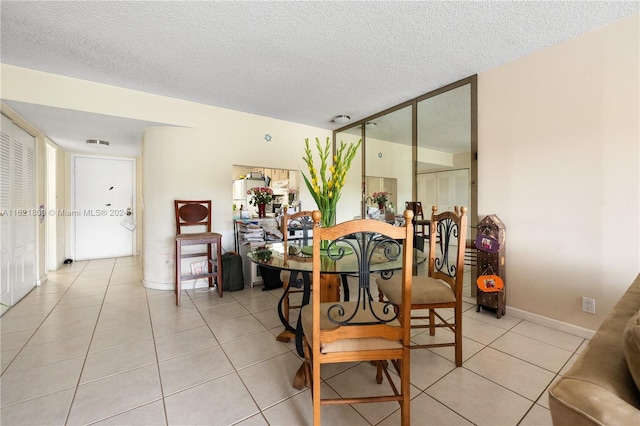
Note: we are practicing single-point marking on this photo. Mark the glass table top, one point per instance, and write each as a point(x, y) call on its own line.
point(290, 257)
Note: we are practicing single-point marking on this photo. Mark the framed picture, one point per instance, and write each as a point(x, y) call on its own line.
point(490, 283)
point(199, 268)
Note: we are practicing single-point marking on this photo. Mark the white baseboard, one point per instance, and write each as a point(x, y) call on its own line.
point(158, 286)
point(186, 285)
point(585, 333)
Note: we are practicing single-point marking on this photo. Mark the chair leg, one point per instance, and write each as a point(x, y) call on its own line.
point(405, 377)
point(209, 265)
point(378, 372)
point(458, 337)
point(432, 323)
point(219, 265)
point(178, 272)
point(316, 391)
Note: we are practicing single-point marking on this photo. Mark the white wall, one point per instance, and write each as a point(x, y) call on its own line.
point(197, 163)
point(559, 161)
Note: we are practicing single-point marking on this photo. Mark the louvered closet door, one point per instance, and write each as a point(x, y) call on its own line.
point(18, 222)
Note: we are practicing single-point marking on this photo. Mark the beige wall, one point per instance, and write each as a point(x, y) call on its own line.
point(559, 161)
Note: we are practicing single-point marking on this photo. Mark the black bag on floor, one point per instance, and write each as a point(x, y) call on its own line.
point(232, 276)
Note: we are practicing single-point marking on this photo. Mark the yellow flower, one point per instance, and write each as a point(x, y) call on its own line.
point(327, 195)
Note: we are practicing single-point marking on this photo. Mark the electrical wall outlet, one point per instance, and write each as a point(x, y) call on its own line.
point(589, 305)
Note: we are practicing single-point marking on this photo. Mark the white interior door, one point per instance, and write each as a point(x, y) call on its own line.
point(18, 219)
point(103, 197)
point(444, 189)
point(427, 192)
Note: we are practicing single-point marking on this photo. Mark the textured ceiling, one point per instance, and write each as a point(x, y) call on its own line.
point(298, 61)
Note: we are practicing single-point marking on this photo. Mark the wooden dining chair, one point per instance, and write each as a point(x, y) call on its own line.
point(362, 330)
point(419, 223)
point(442, 287)
point(299, 225)
point(196, 215)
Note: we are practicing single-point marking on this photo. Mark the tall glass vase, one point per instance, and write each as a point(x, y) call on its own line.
point(328, 219)
point(261, 210)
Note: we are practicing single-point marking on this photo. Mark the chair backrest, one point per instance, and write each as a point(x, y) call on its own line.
point(372, 241)
point(302, 224)
point(416, 208)
point(447, 247)
point(193, 213)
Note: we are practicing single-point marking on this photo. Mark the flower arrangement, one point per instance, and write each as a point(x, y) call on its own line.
point(380, 198)
point(326, 190)
point(260, 195)
point(292, 195)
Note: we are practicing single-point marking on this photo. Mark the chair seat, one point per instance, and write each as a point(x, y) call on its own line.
point(424, 290)
point(198, 236)
point(347, 345)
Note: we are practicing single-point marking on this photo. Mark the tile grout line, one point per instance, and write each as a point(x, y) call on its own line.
point(42, 322)
point(155, 350)
point(84, 363)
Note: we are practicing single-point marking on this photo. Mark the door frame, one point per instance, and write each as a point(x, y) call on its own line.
point(134, 204)
point(51, 220)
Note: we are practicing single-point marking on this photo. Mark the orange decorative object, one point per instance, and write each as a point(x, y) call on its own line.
point(490, 283)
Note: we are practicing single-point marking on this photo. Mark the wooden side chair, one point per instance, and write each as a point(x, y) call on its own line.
point(364, 329)
point(299, 223)
point(442, 288)
point(197, 214)
point(419, 222)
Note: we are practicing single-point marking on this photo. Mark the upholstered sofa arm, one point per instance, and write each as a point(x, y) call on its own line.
point(599, 388)
point(576, 402)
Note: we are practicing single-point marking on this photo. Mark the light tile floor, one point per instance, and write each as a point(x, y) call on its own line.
point(92, 346)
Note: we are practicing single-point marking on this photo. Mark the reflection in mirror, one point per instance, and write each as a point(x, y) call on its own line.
point(388, 154)
point(436, 166)
point(444, 149)
point(443, 170)
point(349, 204)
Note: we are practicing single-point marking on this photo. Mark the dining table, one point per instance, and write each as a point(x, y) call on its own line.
point(294, 257)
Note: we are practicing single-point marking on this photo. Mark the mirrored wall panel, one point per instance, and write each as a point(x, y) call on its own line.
point(424, 150)
point(421, 151)
point(387, 164)
point(443, 166)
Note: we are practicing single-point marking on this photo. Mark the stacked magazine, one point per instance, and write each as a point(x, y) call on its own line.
point(251, 233)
